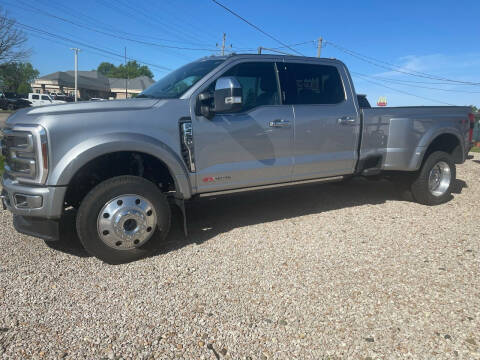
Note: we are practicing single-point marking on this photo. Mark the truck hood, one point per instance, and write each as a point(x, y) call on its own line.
point(34, 115)
point(92, 106)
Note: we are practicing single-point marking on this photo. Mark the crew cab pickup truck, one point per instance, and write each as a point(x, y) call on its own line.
point(216, 125)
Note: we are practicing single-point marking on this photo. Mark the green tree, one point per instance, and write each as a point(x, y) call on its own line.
point(105, 68)
point(17, 76)
point(131, 70)
point(474, 108)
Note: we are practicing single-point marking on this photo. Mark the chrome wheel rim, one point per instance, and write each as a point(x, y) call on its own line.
point(126, 222)
point(439, 178)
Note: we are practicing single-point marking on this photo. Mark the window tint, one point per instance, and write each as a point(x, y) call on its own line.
point(35, 97)
point(259, 83)
point(311, 84)
point(45, 97)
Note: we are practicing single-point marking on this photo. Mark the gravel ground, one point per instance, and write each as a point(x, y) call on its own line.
point(331, 271)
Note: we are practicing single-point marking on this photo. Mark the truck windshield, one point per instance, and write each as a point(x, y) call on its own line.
point(179, 81)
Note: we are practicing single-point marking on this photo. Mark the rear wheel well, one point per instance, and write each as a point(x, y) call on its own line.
point(448, 143)
point(117, 164)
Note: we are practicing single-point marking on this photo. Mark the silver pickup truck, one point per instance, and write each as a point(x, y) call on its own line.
point(216, 125)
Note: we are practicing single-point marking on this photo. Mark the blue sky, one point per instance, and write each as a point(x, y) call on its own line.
point(439, 38)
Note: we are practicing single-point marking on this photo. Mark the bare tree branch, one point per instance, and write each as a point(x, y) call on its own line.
point(12, 40)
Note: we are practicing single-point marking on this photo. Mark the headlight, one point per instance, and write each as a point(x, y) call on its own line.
point(26, 153)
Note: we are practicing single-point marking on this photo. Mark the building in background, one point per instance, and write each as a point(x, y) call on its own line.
point(134, 86)
point(91, 84)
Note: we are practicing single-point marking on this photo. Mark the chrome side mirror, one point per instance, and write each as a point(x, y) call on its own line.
point(227, 95)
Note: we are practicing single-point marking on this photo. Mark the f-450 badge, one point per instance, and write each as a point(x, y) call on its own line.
point(210, 179)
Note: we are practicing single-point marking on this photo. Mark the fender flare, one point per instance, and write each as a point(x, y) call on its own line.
point(429, 137)
point(90, 149)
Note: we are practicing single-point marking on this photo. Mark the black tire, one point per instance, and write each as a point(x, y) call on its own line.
point(104, 192)
point(419, 187)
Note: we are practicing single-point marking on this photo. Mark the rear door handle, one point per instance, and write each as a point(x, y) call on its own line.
point(347, 120)
point(279, 123)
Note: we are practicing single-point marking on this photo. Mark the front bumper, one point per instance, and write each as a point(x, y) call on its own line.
point(46, 229)
point(32, 201)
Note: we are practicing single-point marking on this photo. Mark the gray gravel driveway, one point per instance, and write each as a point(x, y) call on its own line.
point(333, 271)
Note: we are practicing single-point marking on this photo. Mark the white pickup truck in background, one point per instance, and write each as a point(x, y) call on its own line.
point(43, 99)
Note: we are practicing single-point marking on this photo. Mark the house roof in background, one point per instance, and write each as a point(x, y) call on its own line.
point(138, 83)
point(94, 80)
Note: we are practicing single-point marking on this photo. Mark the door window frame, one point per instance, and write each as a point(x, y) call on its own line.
point(341, 73)
point(226, 68)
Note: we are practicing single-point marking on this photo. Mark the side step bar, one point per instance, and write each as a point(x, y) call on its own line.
point(261, 187)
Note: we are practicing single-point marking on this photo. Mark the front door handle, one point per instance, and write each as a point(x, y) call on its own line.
point(279, 123)
point(347, 120)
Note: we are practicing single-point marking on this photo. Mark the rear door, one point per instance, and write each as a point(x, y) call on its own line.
point(251, 147)
point(327, 123)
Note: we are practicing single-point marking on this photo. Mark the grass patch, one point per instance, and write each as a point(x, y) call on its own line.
point(475, 149)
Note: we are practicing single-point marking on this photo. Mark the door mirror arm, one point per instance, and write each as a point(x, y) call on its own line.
point(204, 105)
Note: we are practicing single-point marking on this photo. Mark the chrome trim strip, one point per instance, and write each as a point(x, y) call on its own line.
point(261, 187)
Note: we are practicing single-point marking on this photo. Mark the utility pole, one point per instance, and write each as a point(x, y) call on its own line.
point(76, 50)
point(126, 74)
point(319, 46)
point(223, 43)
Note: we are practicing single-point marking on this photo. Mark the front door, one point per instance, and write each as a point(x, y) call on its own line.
point(251, 147)
point(326, 121)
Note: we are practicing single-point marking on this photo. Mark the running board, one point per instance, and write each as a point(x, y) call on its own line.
point(261, 187)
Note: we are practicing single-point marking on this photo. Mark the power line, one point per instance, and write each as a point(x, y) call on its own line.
point(279, 47)
point(417, 86)
point(97, 23)
point(134, 11)
point(408, 93)
point(396, 68)
point(34, 9)
point(256, 27)
point(31, 28)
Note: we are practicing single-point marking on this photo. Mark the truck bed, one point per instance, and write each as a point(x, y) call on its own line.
point(399, 136)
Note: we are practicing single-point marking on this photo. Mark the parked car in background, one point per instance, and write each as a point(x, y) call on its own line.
point(43, 99)
point(12, 101)
point(217, 125)
point(97, 99)
point(63, 97)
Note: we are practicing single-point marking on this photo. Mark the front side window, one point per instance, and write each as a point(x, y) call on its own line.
point(311, 84)
point(179, 81)
point(259, 83)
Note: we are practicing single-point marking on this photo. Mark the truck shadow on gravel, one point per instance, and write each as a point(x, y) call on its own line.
point(208, 217)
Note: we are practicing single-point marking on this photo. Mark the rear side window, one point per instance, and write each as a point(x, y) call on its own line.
point(35, 97)
point(311, 84)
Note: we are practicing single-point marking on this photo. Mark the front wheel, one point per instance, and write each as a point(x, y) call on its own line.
point(433, 184)
point(123, 219)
